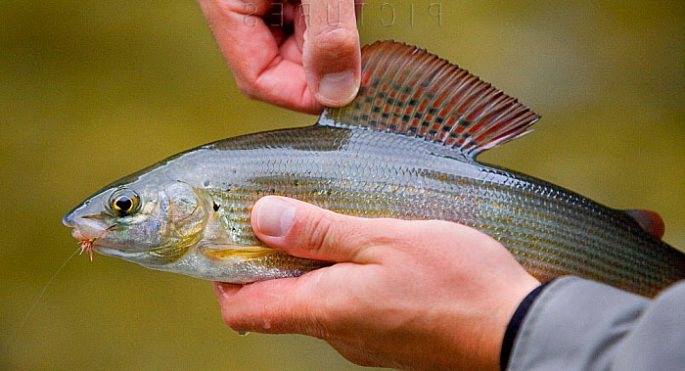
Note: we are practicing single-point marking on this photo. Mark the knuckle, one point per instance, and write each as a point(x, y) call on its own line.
point(248, 89)
point(368, 236)
point(245, 7)
point(232, 321)
point(335, 43)
point(319, 232)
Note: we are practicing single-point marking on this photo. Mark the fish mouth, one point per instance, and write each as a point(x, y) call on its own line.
point(117, 253)
point(86, 231)
point(88, 239)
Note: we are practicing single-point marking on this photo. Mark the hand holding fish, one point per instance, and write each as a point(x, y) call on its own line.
point(298, 56)
point(404, 294)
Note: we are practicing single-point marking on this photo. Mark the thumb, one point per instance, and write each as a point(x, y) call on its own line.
point(331, 52)
point(308, 231)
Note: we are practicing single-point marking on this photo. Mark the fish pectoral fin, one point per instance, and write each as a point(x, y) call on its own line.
point(406, 90)
point(235, 251)
point(649, 220)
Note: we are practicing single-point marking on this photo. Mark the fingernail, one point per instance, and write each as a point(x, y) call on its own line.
point(337, 89)
point(275, 217)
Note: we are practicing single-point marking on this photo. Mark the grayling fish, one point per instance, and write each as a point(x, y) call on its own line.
point(404, 148)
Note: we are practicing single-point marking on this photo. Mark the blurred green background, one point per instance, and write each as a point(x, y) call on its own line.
point(93, 90)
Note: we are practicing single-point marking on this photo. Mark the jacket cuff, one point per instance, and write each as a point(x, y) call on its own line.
point(569, 322)
point(515, 324)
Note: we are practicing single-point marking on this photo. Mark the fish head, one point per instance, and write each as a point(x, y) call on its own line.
point(141, 221)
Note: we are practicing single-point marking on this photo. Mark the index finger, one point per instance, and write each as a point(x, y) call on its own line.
point(274, 306)
point(253, 54)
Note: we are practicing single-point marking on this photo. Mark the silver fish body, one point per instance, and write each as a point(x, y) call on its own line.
point(405, 148)
point(550, 230)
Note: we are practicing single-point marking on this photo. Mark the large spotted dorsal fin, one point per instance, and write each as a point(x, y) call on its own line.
point(410, 91)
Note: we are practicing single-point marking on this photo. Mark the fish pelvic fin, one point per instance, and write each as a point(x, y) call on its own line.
point(409, 91)
point(233, 251)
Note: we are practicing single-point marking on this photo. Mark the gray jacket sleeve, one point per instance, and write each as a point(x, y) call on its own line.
point(576, 324)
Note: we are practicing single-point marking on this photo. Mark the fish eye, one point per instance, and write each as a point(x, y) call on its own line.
point(124, 202)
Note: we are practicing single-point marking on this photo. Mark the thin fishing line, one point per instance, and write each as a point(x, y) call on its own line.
point(37, 300)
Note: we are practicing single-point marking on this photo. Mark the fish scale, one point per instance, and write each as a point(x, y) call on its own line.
point(513, 215)
point(405, 148)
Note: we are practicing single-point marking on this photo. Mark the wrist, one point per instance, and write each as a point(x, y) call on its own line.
point(482, 331)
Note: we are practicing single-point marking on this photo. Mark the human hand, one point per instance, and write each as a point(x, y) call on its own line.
point(294, 55)
point(404, 294)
